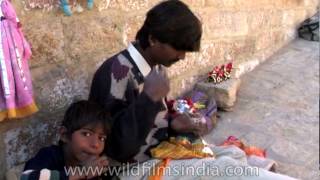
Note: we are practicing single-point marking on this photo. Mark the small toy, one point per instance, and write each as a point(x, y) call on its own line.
point(219, 74)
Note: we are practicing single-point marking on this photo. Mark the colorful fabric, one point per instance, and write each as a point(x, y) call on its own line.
point(177, 148)
point(249, 150)
point(16, 96)
point(159, 170)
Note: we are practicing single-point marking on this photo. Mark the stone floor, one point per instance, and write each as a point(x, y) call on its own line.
point(278, 109)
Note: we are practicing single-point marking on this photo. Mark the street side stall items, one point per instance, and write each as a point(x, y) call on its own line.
point(188, 145)
point(220, 73)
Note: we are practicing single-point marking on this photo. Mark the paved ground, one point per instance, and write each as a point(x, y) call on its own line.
point(278, 109)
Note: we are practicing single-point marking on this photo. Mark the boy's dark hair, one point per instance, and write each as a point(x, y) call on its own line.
point(82, 113)
point(171, 22)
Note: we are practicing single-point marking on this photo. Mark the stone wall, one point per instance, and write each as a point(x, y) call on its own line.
point(68, 50)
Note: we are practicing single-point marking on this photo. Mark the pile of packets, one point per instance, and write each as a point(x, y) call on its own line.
point(219, 74)
point(183, 146)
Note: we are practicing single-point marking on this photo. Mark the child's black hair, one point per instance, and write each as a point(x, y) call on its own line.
point(171, 22)
point(82, 113)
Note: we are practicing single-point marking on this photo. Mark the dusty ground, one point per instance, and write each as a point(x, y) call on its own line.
point(278, 109)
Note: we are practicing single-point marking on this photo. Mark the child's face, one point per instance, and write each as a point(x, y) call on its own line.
point(86, 143)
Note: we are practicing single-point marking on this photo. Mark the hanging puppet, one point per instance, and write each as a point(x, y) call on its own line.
point(16, 96)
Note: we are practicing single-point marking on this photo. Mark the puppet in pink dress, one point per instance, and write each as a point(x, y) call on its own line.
point(16, 96)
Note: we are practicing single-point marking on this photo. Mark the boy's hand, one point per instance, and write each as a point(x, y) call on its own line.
point(156, 84)
point(95, 166)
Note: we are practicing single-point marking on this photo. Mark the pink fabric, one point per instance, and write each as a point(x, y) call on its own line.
point(17, 77)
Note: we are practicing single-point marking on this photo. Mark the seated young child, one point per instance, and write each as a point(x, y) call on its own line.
point(82, 139)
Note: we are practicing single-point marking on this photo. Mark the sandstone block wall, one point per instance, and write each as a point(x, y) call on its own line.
point(68, 50)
